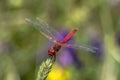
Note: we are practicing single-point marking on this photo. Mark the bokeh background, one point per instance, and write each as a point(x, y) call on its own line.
point(23, 48)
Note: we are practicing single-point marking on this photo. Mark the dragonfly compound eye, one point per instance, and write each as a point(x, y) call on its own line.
point(51, 52)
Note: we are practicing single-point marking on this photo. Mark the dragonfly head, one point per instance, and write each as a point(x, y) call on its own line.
point(51, 52)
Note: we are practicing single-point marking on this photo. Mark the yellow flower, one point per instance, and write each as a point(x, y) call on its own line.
point(57, 73)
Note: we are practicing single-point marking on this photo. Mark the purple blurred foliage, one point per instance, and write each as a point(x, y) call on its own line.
point(68, 56)
point(97, 43)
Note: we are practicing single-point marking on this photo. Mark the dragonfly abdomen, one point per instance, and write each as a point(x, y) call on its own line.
point(69, 35)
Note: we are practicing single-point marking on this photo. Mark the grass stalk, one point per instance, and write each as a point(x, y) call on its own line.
point(45, 68)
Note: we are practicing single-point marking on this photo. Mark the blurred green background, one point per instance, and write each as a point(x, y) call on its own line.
point(22, 48)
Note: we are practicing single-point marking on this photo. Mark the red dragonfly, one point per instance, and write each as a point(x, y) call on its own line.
point(47, 31)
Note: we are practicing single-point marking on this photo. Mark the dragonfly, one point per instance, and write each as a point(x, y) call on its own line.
point(48, 31)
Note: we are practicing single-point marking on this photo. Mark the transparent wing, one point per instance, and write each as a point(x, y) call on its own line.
point(49, 29)
point(78, 46)
point(42, 29)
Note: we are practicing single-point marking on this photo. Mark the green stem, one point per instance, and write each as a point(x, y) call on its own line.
point(108, 71)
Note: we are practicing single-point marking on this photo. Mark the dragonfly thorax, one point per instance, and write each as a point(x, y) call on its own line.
point(51, 52)
point(56, 47)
